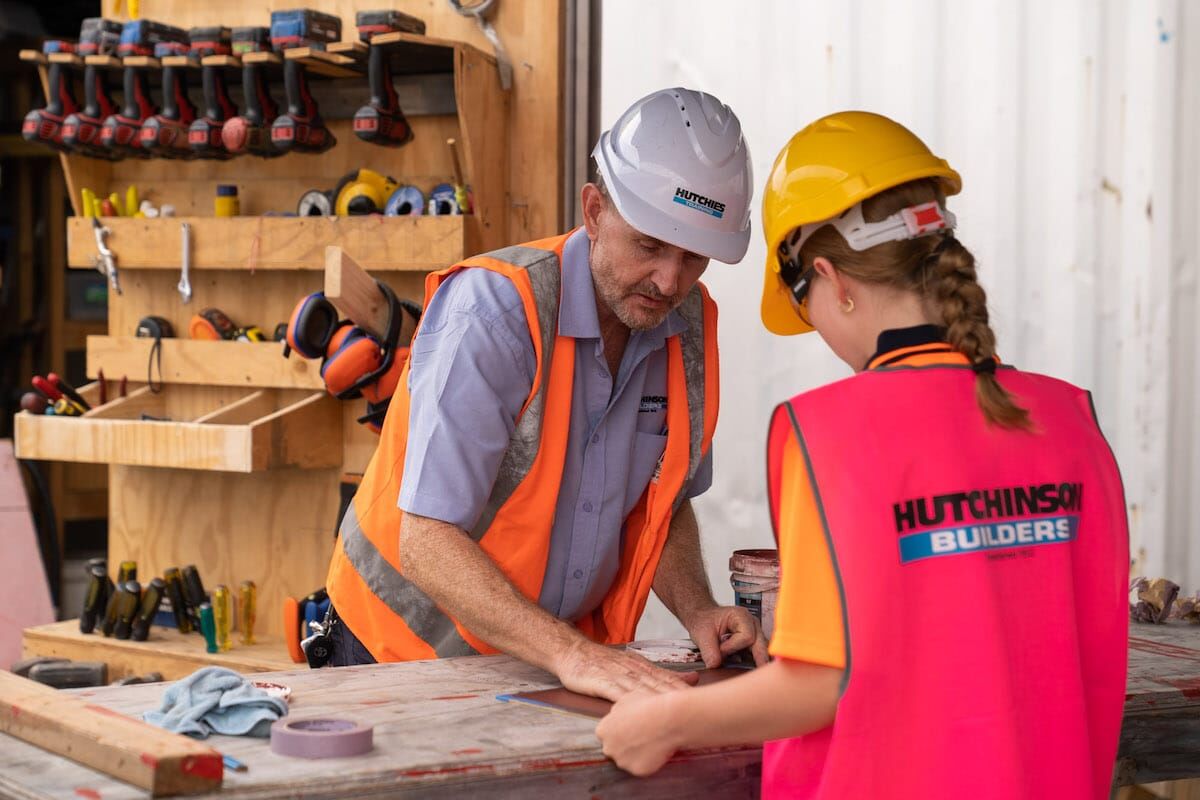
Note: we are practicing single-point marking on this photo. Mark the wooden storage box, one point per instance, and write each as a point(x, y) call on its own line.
point(193, 427)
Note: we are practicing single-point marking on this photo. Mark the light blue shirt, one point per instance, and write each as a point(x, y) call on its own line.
point(472, 369)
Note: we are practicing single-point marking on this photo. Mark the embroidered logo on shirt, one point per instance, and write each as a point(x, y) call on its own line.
point(652, 403)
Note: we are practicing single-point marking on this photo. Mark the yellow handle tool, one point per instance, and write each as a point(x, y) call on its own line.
point(222, 616)
point(248, 594)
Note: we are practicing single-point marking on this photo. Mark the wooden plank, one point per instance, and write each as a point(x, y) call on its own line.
point(483, 111)
point(69, 59)
point(354, 292)
point(306, 434)
point(222, 61)
point(113, 62)
point(320, 62)
point(174, 654)
point(162, 763)
point(141, 61)
point(273, 243)
point(195, 361)
point(265, 57)
point(33, 56)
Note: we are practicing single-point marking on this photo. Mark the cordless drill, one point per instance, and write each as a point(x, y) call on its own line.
point(121, 132)
point(44, 125)
point(81, 130)
point(250, 132)
point(381, 121)
point(301, 128)
point(166, 133)
point(204, 135)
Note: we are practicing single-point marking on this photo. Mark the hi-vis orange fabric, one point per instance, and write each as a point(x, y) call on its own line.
point(394, 619)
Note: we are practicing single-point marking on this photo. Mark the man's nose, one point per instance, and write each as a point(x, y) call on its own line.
point(666, 275)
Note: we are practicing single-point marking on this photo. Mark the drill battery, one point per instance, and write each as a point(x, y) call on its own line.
point(304, 27)
point(139, 37)
point(99, 36)
point(251, 39)
point(213, 40)
point(370, 23)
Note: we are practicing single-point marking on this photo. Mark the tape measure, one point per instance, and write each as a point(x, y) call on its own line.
point(405, 201)
point(442, 201)
point(315, 203)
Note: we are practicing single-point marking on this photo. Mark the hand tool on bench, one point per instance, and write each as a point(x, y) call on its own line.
point(127, 571)
point(129, 597)
point(204, 136)
point(193, 593)
point(166, 133)
point(222, 603)
point(250, 132)
point(247, 602)
point(208, 627)
point(67, 674)
point(179, 605)
point(44, 125)
point(151, 600)
point(382, 121)
point(95, 600)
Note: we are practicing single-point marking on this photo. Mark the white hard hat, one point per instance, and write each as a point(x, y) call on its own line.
point(677, 168)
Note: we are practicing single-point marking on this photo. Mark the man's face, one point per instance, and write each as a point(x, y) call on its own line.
point(639, 278)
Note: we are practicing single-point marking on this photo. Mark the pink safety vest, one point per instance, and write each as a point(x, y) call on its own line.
point(984, 577)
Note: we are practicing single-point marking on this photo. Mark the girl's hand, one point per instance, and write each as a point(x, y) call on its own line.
point(638, 734)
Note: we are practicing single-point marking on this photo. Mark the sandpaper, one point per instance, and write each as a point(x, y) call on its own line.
point(565, 700)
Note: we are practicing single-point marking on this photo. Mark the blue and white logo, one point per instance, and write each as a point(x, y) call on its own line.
point(686, 197)
point(987, 537)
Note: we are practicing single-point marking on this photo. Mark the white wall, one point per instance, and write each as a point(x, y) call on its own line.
point(1076, 127)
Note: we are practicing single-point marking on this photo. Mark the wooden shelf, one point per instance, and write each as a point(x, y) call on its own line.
point(200, 362)
point(289, 243)
point(129, 61)
point(197, 427)
point(33, 56)
point(174, 654)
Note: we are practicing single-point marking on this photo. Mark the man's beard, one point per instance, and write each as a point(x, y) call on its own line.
point(623, 303)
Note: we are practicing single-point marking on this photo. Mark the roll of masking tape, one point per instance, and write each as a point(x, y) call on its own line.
point(320, 738)
point(405, 201)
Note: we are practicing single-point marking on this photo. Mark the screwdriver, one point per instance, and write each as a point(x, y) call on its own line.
point(179, 606)
point(127, 571)
point(95, 601)
point(208, 627)
point(222, 614)
point(110, 612)
point(193, 591)
point(248, 593)
point(129, 595)
point(151, 600)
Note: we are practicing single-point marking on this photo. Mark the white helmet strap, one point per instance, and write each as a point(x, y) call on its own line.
point(907, 223)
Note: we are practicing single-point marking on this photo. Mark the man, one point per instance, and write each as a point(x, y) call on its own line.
point(533, 476)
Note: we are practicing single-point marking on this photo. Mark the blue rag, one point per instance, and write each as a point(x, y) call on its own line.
point(217, 700)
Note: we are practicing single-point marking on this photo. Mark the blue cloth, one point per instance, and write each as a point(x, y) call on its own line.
point(473, 365)
point(217, 700)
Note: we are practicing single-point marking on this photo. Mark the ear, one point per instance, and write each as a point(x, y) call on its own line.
point(592, 203)
point(825, 268)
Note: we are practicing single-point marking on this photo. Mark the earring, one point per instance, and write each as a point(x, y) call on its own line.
point(848, 306)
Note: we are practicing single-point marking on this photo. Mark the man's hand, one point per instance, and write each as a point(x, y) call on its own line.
point(638, 733)
point(721, 631)
point(590, 668)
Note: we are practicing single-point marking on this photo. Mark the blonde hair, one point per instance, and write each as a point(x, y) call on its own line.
point(942, 272)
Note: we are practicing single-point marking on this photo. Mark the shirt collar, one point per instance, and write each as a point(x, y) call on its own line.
point(897, 344)
point(577, 308)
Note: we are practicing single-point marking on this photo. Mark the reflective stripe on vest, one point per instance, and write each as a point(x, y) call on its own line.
point(543, 270)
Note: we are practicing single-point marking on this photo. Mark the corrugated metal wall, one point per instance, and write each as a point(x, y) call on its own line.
point(1076, 127)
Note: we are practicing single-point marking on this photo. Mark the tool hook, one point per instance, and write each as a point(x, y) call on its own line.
point(106, 261)
point(185, 284)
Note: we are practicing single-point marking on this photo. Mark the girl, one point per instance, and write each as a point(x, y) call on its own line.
point(952, 619)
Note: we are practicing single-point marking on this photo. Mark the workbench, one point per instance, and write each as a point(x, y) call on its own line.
point(440, 732)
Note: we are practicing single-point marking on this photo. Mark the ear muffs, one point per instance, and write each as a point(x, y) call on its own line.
point(211, 323)
point(381, 391)
point(313, 323)
point(353, 365)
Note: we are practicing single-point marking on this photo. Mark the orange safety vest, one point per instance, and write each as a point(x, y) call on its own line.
point(393, 618)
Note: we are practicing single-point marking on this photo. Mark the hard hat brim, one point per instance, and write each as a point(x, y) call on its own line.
point(778, 314)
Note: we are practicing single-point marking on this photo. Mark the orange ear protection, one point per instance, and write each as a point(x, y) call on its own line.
point(354, 363)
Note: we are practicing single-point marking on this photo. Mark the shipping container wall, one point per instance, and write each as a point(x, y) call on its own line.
point(1076, 127)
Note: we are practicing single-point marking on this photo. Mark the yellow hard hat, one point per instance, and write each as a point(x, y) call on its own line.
point(825, 169)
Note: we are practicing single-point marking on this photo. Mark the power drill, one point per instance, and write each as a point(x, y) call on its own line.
point(166, 133)
point(301, 128)
point(44, 125)
point(250, 132)
point(204, 135)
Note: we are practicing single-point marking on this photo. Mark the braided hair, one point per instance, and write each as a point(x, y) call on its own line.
point(942, 271)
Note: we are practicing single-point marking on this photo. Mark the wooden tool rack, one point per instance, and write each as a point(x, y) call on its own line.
point(235, 464)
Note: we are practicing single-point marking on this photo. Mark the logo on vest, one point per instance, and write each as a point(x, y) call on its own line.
point(996, 519)
point(686, 197)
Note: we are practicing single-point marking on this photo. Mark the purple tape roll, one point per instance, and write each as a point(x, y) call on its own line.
point(320, 738)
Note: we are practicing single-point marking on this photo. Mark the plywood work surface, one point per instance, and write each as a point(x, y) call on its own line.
point(440, 732)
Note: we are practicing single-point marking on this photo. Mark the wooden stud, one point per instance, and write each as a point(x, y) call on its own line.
point(354, 292)
point(163, 763)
